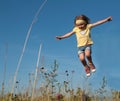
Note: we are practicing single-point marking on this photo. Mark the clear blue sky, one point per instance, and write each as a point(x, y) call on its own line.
point(56, 18)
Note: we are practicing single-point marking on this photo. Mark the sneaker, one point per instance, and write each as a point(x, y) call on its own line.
point(87, 70)
point(92, 67)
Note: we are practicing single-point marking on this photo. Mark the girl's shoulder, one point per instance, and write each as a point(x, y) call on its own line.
point(89, 25)
point(75, 29)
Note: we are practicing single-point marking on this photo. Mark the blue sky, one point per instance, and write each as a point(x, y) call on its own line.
point(56, 18)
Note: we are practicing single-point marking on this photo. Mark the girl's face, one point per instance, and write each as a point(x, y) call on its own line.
point(82, 25)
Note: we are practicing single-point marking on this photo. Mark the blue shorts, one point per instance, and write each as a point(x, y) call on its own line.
point(83, 48)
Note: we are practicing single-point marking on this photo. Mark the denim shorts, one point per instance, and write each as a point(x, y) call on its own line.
point(82, 49)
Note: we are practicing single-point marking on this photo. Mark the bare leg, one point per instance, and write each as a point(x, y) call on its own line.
point(89, 58)
point(88, 55)
point(82, 59)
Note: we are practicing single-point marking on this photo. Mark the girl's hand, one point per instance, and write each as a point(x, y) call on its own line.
point(109, 18)
point(58, 37)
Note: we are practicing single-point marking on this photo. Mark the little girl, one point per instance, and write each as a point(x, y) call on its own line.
point(82, 30)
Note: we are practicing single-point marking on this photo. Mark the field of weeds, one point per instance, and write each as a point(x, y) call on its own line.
point(53, 90)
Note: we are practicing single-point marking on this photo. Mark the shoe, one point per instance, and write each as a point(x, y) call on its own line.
point(92, 67)
point(87, 70)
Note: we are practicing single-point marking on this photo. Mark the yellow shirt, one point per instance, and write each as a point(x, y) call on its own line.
point(83, 36)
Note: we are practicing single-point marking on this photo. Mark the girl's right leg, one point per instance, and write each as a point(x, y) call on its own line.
point(83, 61)
point(89, 58)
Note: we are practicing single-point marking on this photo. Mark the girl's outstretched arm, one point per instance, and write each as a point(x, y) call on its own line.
point(102, 21)
point(65, 35)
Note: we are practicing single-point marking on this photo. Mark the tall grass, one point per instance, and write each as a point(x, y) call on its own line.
point(52, 90)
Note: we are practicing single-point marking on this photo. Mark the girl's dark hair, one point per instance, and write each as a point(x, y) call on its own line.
point(82, 17)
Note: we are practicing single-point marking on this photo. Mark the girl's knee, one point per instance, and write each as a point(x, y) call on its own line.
point(82, 57)
point(88, 53)
point(88, 56)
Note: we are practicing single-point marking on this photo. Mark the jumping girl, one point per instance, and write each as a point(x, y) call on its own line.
point(82, 30)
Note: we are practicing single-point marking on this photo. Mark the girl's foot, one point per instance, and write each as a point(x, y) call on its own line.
point(87, 70)
point(92, 67)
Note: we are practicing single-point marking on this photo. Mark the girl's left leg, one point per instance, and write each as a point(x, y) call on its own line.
point(89, 58)
point(83, 61)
